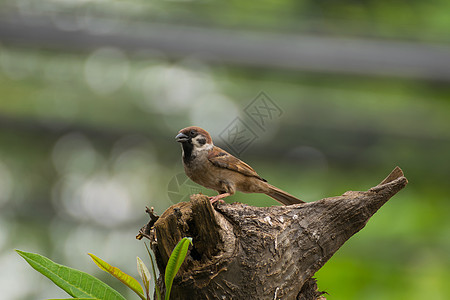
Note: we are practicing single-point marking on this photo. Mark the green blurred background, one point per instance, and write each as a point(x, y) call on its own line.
point(92, 94)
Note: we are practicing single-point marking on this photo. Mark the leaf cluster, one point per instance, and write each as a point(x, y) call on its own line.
point(81, 285)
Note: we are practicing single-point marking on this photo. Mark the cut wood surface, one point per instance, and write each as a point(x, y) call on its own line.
point(245, 252)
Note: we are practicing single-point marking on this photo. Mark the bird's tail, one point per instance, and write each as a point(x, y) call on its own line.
point(281, 196)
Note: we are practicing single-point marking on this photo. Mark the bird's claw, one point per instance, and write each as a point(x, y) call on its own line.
point(218, 198)
point(215, 199)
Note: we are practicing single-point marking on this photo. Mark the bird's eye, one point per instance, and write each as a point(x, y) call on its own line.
point(192, 133)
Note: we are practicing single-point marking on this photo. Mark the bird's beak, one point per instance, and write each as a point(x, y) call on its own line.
point(181, 138)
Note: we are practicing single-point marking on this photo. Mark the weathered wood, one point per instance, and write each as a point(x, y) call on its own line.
point(245, 252)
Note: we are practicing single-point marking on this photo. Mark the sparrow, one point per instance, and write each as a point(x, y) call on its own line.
point(216, 169)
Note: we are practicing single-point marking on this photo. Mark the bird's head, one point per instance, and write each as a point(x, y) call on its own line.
point(195, 137)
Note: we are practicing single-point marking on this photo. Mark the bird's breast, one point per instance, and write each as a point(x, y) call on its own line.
point(200, 171)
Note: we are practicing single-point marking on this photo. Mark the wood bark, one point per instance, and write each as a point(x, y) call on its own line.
point(246, 252)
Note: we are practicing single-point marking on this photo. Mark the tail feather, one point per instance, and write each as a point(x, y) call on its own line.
point(282, 197)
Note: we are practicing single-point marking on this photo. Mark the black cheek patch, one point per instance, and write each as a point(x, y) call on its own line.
point(201, 141)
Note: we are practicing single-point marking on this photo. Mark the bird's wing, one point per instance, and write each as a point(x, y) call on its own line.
point(223, 159)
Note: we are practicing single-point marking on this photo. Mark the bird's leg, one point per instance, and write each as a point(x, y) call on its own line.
point(218, 197)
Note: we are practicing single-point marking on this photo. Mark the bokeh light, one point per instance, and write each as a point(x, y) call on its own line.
point(106, 70)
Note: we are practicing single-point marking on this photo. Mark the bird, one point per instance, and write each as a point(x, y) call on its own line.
point(214, 168)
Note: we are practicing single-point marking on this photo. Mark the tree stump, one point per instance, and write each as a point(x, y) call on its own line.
point(245, 252)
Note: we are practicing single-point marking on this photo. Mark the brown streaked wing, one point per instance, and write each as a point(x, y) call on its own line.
point(223, 159)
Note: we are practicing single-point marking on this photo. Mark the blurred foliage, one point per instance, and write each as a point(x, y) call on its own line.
point(86, 140)
point(415, 20)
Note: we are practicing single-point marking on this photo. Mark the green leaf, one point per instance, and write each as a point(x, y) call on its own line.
point(158, 293)
point(145, 275)
point(126, 279)
point(76, 283)
point(175, 260)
